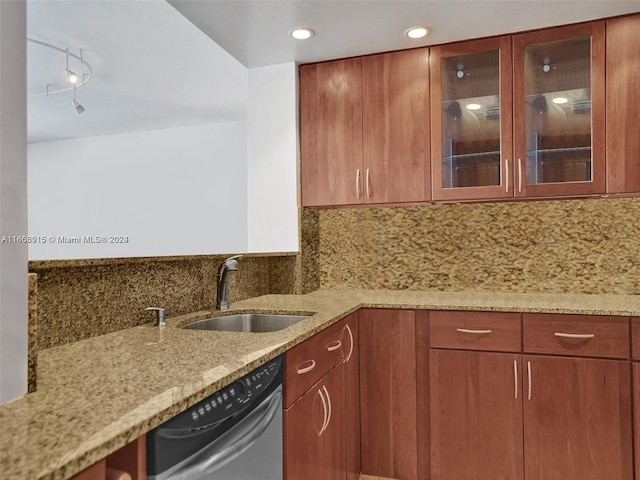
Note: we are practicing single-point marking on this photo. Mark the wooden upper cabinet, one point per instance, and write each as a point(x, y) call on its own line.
point(395, 90)
point(331, 133)
point(471, 95)
point(623, 96)
point(364, 130)
point(559, 111)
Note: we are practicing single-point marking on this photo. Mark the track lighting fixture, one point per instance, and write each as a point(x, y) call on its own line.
point(78, 77)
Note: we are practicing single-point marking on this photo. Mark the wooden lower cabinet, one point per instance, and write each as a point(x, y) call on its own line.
point(131, 459)
point(314, 431)
point(352, 390)
point(636, 403)
point(476, 415)
point(577, 419)
point(388, 400)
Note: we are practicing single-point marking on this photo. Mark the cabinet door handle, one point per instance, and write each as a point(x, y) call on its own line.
point(467, 330)
point(308, 368)
point(506, 175)
point(519, 175)
point(366, 182)
point(333, 346)
point(574, 335)
point(326, 392)
point(515, 378)
point(357, 183)
point(325, 421)
point(350, 342)
point(529, 378)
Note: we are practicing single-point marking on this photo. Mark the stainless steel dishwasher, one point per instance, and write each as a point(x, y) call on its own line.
point(235, 434)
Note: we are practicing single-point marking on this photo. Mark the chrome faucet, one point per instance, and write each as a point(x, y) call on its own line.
point(159, 315)
point(228, 266)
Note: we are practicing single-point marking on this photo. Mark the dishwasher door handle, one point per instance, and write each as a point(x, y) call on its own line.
point(237, 440)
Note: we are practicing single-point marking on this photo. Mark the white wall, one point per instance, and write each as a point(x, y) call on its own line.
point(179, 191)
point(272, 156)
point(13, 200)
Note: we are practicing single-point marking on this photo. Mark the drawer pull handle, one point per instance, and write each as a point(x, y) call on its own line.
point(325, 421)
point(326, 392)
point(519, 175)
point(506, 175)
point(333, 346)
point(367, 183)
point(350, 342)
point(357, 183)
point(308, 368)
point(529, 377)
point(466, 330)
point(574, 335)
point(515, 377)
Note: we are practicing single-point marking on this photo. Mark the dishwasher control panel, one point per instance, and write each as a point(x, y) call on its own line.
point(231, 399)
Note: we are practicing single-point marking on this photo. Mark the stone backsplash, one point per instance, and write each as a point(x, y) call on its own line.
point(577, 246)
point(79, 299)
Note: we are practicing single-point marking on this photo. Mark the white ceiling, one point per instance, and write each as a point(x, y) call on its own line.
point(152, 68)
point(256, 31)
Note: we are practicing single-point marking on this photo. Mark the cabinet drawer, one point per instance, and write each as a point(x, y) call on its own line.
point(635, 338)
point(576, 335)
point(308, 362)
point(476, 331)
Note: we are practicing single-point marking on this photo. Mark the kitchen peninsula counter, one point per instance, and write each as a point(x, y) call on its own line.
point(96, 395)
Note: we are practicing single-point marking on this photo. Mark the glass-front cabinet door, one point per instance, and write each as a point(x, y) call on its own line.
point(471, 98)
point(559, 111)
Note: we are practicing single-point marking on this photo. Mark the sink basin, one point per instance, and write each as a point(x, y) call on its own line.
point(246, 322)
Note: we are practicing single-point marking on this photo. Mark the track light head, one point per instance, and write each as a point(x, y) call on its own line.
point(77, 107)
point(72, 77)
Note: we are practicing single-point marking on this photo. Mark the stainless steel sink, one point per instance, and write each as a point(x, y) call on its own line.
point(247, 322)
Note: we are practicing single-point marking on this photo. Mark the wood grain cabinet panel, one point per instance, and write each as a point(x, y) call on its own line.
point(131, 459)
point(635, 338)
point(352, 390)
point(395, 90)
point(476, 416)
point(636, 404)
point(576, 335)
point(577, 419)
point(97, 471)
point(490, 331)
point(314, 431)
point(302, 424)
point(623, 97)
point(331, 133)
point(388, 393)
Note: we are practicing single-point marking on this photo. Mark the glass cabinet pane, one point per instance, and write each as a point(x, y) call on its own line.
point(558, 112)
point(471, 120)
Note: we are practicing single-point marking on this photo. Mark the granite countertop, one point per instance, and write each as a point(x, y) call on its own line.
point(96, 395)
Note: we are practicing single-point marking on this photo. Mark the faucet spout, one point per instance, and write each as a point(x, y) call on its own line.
point(228, 266)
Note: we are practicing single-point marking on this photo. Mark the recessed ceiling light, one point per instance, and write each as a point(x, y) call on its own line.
point(559, 100)
point(474, 106)
point(417, 32)
point(301, 33)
